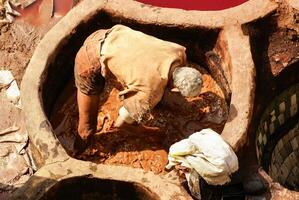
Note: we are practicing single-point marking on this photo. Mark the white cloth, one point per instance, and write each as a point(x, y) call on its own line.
point(206, 153)
point(125, 115)
point(12, 91)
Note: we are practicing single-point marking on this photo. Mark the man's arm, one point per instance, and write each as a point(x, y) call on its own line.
point(88, 112)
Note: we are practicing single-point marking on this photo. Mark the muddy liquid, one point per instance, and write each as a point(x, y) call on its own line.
point(141, 146)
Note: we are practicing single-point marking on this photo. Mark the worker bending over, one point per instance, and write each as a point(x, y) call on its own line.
point(143, 64)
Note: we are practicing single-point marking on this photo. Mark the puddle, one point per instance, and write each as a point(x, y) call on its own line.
point(195, 5)
point(143, 146)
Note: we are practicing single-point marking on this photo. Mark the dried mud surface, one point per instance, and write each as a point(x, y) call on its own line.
point(17, 43)
point(140, 146)
point(275, 40)
point(283, 49)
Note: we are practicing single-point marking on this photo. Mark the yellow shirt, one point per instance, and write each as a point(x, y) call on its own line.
point(140, 62)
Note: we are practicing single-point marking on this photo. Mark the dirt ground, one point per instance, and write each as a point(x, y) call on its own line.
point(17, 44)
point(19, 39)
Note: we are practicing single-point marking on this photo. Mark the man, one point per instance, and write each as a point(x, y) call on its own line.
point(143, 64)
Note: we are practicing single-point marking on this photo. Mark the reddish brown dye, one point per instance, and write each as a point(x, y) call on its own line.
point(41, 11)
point(195, 4)
point(62, 7)
point(141, 146)
point(31, 13)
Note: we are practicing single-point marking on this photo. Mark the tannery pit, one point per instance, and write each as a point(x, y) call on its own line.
point(233, 52)
point(145, 146)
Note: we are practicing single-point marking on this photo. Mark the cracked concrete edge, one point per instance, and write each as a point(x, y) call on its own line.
point(147, 14)
point(50, 174)
point(242, 84)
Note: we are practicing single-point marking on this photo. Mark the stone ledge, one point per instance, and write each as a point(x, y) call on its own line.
point(49, 175)
point(242, 85)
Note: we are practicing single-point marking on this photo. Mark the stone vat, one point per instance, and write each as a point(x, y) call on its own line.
point(49, 70)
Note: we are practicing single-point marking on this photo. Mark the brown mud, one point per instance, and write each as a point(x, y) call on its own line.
point(141, 146)
point(17, 43)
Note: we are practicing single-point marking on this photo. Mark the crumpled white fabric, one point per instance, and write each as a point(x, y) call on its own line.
point(8, 82)
point(206, 153)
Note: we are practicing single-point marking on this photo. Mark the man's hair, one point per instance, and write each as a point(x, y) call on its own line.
point(188, 80)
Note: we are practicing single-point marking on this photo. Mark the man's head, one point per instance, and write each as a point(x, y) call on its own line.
point(187, 80)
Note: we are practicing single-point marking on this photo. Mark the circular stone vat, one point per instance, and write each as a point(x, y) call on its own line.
point(85, 188)
point(277, 139)
point(51, 67)
point(139, 146)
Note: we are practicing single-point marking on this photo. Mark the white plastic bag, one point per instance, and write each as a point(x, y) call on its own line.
point(206, 153)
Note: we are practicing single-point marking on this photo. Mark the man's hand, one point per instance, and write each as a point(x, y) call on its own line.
point(85, 130)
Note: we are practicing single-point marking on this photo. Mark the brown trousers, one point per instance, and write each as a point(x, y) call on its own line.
point(87, 72)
